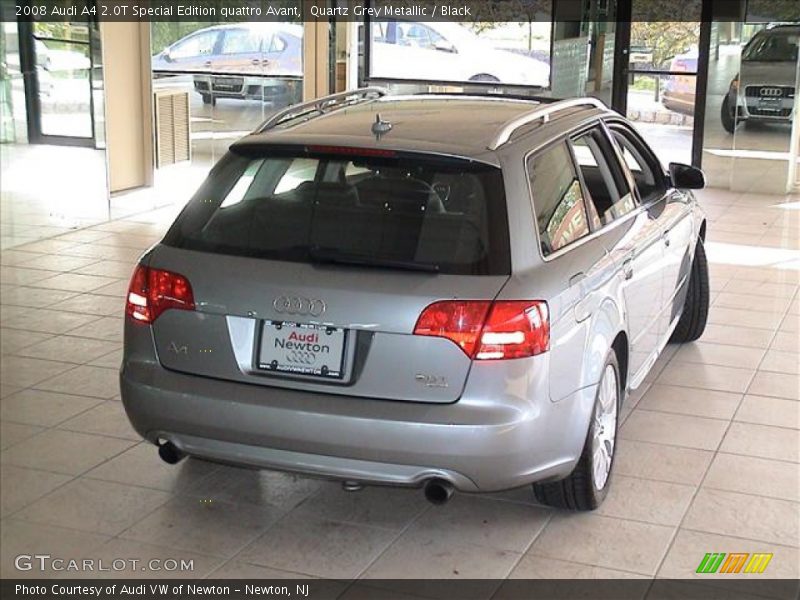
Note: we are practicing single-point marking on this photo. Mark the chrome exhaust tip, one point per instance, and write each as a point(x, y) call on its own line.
point(170, 453)
point(352, 486)
point(438, 491)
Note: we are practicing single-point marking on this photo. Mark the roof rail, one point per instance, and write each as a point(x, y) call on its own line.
point(321, 105)
point(541, 112)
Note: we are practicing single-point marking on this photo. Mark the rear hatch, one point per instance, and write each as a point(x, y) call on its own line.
point(309, 268)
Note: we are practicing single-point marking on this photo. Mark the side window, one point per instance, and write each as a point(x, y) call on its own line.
point(419, 36)
point(201, 44)
point(557, 198)
point(604, 180)
point(379, 33)
point(300, 171)
point(241, 41)
point(643, 165)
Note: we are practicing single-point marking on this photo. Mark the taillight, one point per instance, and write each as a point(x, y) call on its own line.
point(489, 330)
point(152, 291)
point(515, 329)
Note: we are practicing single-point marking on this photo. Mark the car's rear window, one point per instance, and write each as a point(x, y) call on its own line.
point(392, 211)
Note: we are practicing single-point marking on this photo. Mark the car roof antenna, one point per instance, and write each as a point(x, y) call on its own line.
point(380, 127)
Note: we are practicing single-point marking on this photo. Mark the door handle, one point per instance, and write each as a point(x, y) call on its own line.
point(627, 268)
point(207, 63)
point(665, 237)
point(577, 278)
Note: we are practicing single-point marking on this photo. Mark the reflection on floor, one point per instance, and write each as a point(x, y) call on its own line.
point(172, 188)
point(707, 458)
point(48, 190)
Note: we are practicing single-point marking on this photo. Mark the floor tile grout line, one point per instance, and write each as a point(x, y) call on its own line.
point(742, 538)
point(394, 540)
point(704, 477)
point(74, 477)
point(528, 548)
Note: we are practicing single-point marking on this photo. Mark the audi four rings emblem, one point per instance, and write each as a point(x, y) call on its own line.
point(297, 305)
point(772, 91)
point(301, 358)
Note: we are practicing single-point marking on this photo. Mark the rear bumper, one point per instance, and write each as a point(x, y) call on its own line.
point(479, 443)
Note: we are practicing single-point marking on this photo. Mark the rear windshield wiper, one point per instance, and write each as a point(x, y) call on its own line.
point(325, 255)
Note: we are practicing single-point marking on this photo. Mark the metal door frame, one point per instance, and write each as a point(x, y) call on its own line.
point(33, 104)
point(619, 93)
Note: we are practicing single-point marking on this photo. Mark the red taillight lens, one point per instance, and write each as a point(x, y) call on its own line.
point(457, 320)
point(515, 329)
point(152, 291)
point(489, 330)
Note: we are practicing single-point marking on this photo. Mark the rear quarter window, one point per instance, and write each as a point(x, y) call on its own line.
point(404, 211)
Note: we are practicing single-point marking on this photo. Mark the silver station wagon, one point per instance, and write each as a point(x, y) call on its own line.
point(438, 291)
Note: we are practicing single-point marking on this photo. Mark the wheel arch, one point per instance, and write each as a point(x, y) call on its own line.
point(607, 332)
point(621, 349)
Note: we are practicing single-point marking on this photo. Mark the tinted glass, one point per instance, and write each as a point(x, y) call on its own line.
point(643, 165)
point(602, 177)
point(773, 46)
point(557, 199)
point(394, 212)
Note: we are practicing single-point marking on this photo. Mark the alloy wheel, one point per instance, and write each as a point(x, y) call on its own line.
point(605, 427)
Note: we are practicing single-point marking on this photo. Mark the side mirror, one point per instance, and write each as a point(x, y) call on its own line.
point(686, 177)
point(167, 54)
point(443, 46)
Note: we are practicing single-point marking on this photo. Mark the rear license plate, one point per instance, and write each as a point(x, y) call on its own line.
point(302, 349)
point(228, 83)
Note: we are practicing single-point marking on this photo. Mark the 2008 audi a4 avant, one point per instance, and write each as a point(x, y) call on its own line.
point(453, 292)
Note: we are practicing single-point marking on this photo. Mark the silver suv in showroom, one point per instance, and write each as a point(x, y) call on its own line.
point(448, 292)
point(764, 89)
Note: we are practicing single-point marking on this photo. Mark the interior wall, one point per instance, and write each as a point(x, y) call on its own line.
point(316, 70)
point(129, 136)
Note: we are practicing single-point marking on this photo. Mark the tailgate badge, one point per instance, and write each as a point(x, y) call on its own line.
point(431, 381)
point(298, 305)
point(184, 349)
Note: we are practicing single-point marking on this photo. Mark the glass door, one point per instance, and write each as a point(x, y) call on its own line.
point(657, 88)
point(57, 63)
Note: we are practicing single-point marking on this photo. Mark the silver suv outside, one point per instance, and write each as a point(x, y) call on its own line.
point(438, 291)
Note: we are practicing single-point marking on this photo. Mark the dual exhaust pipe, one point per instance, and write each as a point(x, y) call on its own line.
point(437, 491)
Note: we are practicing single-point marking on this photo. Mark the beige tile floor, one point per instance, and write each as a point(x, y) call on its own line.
point(708, 452)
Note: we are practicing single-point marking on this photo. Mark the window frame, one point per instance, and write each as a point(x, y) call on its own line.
point(602, 121)
point(619, 173)
point(563, 141)
point(649, 156)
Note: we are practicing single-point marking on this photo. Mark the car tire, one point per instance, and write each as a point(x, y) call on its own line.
point(208, 99)
point(726, 115)
point(586, 487)
point(695, 308)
